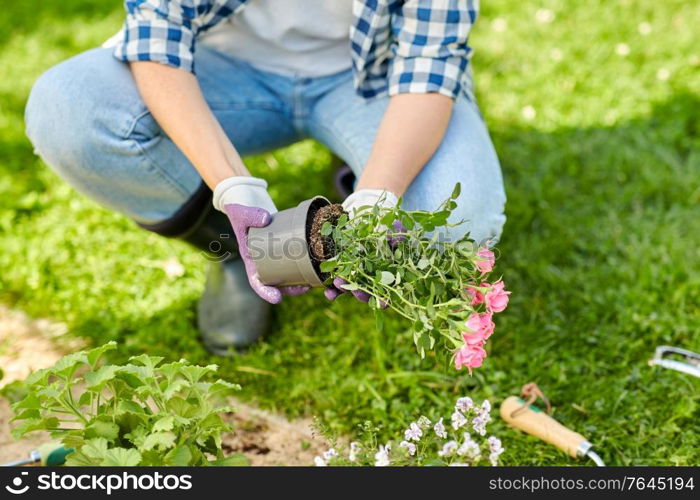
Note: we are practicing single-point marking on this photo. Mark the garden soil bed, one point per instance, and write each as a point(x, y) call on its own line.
point(270, 439)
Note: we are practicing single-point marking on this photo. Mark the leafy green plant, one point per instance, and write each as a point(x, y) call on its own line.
point(140, 413)
point(398, 258)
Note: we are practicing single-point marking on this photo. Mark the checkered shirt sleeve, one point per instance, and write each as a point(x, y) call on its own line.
point(430, 46)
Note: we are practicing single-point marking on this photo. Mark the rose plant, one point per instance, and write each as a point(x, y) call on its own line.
point(399, 259)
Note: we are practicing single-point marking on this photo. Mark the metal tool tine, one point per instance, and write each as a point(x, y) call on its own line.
point(691, 365)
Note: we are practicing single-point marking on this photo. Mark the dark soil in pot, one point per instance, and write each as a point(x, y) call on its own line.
point(322, 247)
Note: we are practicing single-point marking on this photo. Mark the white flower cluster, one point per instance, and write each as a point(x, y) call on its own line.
point(327, 456)
point(381, 458)
point(482, 418)
point(418, 442)
point(495, 448)
point(414, 432)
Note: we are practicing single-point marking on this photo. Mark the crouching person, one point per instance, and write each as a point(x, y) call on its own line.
point(156, 126)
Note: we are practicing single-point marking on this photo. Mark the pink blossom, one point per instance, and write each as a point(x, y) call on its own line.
point(476, 335)
point(470, 356)
point(487, 324)
point(486, 260)
point(481, 326)
point(497, 298)
point(474, 295)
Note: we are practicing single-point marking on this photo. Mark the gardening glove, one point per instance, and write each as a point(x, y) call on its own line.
point(247, 203)
point(365, 199)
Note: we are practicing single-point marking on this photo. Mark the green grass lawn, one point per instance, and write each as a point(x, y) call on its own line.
point(601, 156)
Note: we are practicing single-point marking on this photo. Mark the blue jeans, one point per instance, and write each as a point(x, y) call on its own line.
point(87, 121)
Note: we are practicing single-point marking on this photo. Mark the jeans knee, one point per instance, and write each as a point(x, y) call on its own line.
point(39, 112)
point(57, 117)
point(485, 229)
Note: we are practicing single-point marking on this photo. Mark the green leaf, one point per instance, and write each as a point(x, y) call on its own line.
point(92, 356)
point(38, 377)
point(159, 440)
point(456, 191)
point(174, 388)
point(170, 370)
point(73, 439)
point(121, 457)
point(179, 456)
point(34, 424)
point(131, 376)
point(179, 407)
point(194, 373)
point(95, 448)
point(328, 266)
point(66, 366)
point(235, 460)
point(387, 278)
point(435, 462)
point(146, 361)
point(30, 414)
point(78, 459)
point(126, 406)
point(85, 399)
point(326, 229)
point(29, 402)
point(212, 421)
point(101, 428)
point(98, 379)
point(164, 424)
point(15, 391)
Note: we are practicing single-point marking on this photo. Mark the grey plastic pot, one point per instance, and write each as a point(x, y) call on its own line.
point(281, 249)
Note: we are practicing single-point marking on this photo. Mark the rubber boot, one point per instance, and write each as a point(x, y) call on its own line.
point(230, 315)
point(344, 181)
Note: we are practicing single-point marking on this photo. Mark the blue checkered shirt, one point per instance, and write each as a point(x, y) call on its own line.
point(397, 46)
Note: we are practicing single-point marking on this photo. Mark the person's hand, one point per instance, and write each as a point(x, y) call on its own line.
point(247, 203)
point(358, 202)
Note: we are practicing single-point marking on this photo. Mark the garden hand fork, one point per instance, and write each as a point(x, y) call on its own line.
point(48, 454)
point(528, 418)
point(689, 365)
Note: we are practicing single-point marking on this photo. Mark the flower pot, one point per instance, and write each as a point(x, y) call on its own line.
point(281, 249)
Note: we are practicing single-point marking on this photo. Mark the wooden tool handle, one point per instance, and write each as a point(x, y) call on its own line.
point(537, 423)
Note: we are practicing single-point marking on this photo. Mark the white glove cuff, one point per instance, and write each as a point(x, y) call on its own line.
point(243, 190)
point(368, 198)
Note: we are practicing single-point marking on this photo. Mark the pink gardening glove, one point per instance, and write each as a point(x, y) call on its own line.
point(246, 202)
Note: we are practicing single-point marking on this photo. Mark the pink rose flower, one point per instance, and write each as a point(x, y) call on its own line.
point(476, 335)
point(471, 356)
point(487, 324)
point(481, 326)
point(486, 260)
point(474, 295)
point(497, 298)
